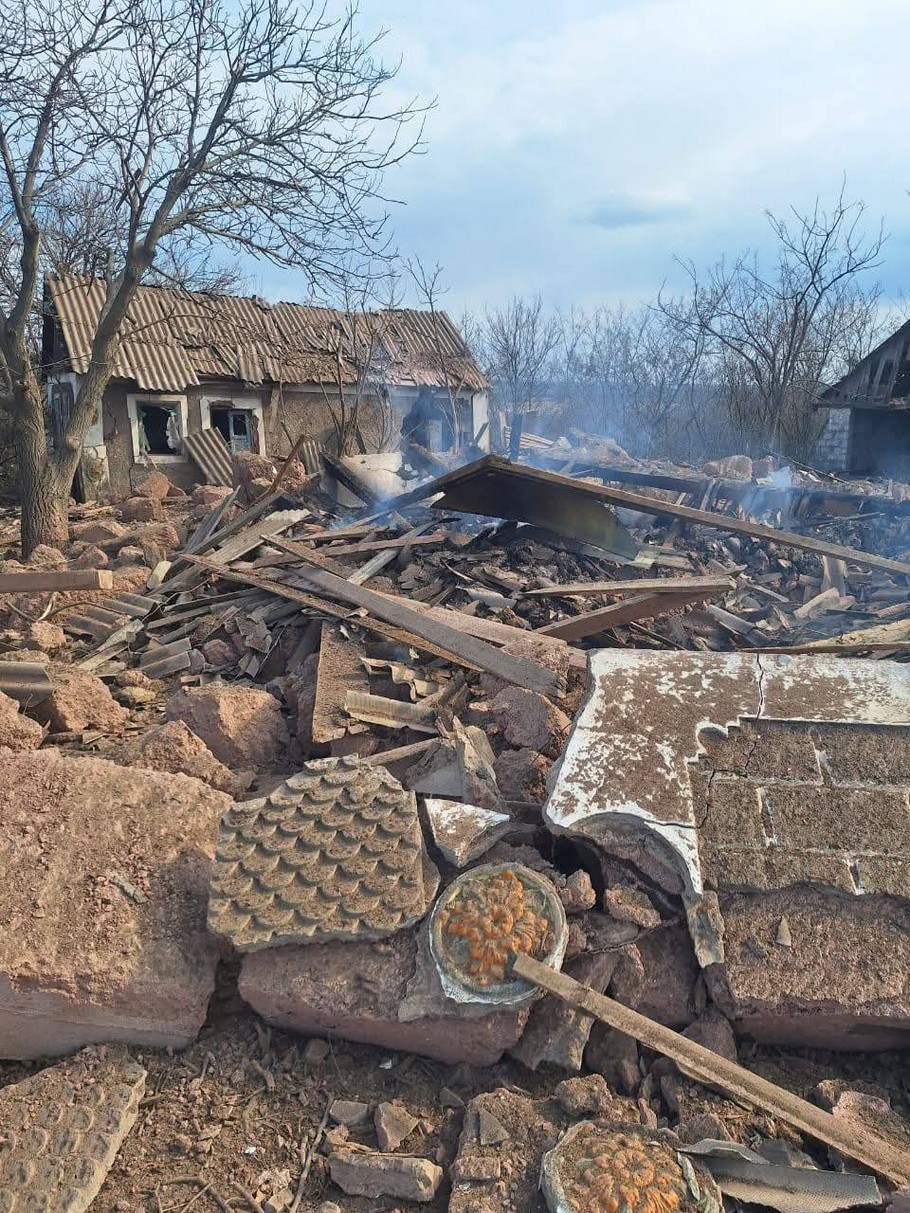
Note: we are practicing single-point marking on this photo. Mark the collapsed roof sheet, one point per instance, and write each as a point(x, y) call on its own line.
point(172, 339)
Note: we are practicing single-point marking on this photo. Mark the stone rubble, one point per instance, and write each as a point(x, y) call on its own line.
point(727, 832)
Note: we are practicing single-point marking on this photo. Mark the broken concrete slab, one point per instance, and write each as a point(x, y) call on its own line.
point(335, 852)
point(81, 701)
point(174, 747)
point(742, 773)
point(530, 721)
point(60, 1130)
point(371, 1174)
point(104, 912)
point(242, 726)
point(463, 832)
point(842, 984)
point(349, 1112)
point(625, 774)
point(382, 992)
point(17, 732)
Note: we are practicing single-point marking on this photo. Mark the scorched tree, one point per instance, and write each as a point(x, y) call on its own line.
point(256, 126)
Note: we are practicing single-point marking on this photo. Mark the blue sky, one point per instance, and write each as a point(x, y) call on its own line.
point(576, 147)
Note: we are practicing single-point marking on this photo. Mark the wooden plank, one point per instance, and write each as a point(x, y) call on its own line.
point(641, 606)
point(384, 545)
point(39, 581)
point(657, 585)
point(402, 752)
point(339, 672)
point(843, 1133)
point(495, 464)
point(494, 631)
point(320, 606)
point(515, 670)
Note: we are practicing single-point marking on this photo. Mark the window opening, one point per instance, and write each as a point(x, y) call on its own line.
point(234, 426)
point(159, 429)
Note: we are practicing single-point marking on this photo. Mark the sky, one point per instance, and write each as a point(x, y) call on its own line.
point(578, 147)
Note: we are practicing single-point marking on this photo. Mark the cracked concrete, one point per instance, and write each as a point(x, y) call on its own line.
point(638, 760)
point(758, 788)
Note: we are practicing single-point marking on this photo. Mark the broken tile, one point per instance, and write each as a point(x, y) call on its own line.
point(61, 1128)
point(334, 852)
point(400, 1175)
point(463, 832)
point(393, 1124)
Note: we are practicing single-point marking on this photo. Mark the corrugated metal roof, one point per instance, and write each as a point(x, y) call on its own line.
point(173, 339)
point(211, 455)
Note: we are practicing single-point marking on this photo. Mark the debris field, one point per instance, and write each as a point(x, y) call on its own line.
point(536, 838)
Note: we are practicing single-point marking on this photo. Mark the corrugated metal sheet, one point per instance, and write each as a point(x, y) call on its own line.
point(210, 452)
point(172, 339)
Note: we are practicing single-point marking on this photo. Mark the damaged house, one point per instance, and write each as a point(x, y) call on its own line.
point(867, 425)
point(192, 365)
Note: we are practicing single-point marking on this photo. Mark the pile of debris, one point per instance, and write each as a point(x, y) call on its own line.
point(416, 777)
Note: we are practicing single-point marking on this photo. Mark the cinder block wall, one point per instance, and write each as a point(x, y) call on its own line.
point(832, 450)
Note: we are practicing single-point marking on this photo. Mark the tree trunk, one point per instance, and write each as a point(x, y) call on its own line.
point(44, 502)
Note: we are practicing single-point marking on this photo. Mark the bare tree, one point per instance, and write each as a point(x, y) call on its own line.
point(361, 358)
point(779, 334)
point(521, 339)
point(428, 283)
point(256, 126)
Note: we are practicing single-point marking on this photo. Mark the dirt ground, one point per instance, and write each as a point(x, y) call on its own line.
point(234, 1115)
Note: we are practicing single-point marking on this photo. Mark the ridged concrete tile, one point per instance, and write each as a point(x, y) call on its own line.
point(336, 852)
point(60, 1131)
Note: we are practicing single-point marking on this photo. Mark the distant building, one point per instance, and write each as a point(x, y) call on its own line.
point(867, 425)
point(258, 373)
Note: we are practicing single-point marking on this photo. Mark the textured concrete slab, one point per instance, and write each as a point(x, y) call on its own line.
point(60, 1130)
point(654, 722)
point(781, 787)
point(336, 852)
point(104, 874)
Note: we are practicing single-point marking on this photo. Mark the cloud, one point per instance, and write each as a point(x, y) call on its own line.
point(674, 125)
point(627, 210)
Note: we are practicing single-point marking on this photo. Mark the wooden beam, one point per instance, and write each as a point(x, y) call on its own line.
point(656, 585)
point(495, 464)
point(38, 581)
point(641, 606)
point(384, 545)
point(321, 606)
point(515, 670)
point(843, 1133)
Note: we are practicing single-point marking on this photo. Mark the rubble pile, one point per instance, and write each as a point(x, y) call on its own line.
point(291, 788)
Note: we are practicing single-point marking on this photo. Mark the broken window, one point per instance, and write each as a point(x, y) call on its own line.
point(160, 431)
point(235, 426)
